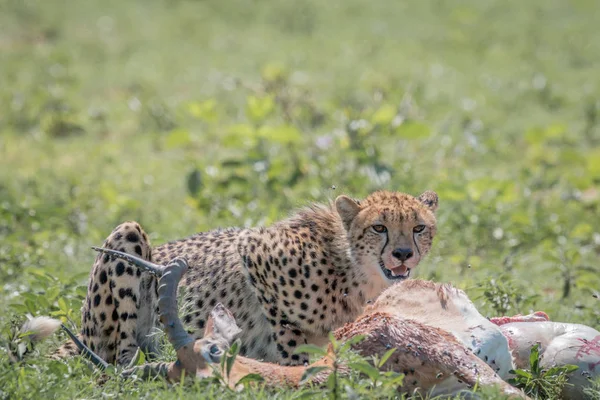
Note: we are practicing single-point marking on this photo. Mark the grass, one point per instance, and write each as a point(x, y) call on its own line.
point(191, 115)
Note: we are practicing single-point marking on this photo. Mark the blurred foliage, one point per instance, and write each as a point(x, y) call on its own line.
point(190, 115)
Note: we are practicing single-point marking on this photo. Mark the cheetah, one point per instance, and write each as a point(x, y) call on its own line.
point(287, 284)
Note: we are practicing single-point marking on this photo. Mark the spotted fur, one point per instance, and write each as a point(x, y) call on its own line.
point(287, 284)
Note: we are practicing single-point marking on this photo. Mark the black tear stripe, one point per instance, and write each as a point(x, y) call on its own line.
point(365, 230)
point(387, 239)
point(416, 244)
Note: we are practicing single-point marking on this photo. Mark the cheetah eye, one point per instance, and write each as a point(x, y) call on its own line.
point(379, 228)
point(418, 228)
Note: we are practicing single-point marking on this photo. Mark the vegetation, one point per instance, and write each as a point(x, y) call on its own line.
point(538, 382)
point(188, 115)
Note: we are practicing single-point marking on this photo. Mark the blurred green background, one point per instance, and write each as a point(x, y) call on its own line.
point(189, 115)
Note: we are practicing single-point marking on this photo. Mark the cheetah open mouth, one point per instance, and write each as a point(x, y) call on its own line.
point(395, 274)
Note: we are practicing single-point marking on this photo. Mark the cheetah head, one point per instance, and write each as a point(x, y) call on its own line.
point(389, 232)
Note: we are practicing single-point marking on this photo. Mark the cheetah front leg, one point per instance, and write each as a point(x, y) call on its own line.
point(287, 338)
point(263, 270)
point(120, 308)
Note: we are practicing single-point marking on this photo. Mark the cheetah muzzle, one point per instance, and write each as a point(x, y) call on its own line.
point(392, 275)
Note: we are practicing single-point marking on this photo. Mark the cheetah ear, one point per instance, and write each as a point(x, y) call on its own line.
point(347, 208)
point(430, 199)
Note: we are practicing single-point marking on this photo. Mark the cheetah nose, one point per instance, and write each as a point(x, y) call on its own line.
point(402, 254)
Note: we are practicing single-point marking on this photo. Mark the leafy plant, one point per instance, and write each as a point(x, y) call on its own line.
point(540, 382)
point(503, 296)
point(357, 376)
point(226, 365)
point(593, 392)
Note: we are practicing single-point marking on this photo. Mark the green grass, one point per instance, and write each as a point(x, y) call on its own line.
point(191, 115)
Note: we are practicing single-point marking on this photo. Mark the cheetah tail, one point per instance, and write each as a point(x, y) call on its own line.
point(39, 328)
